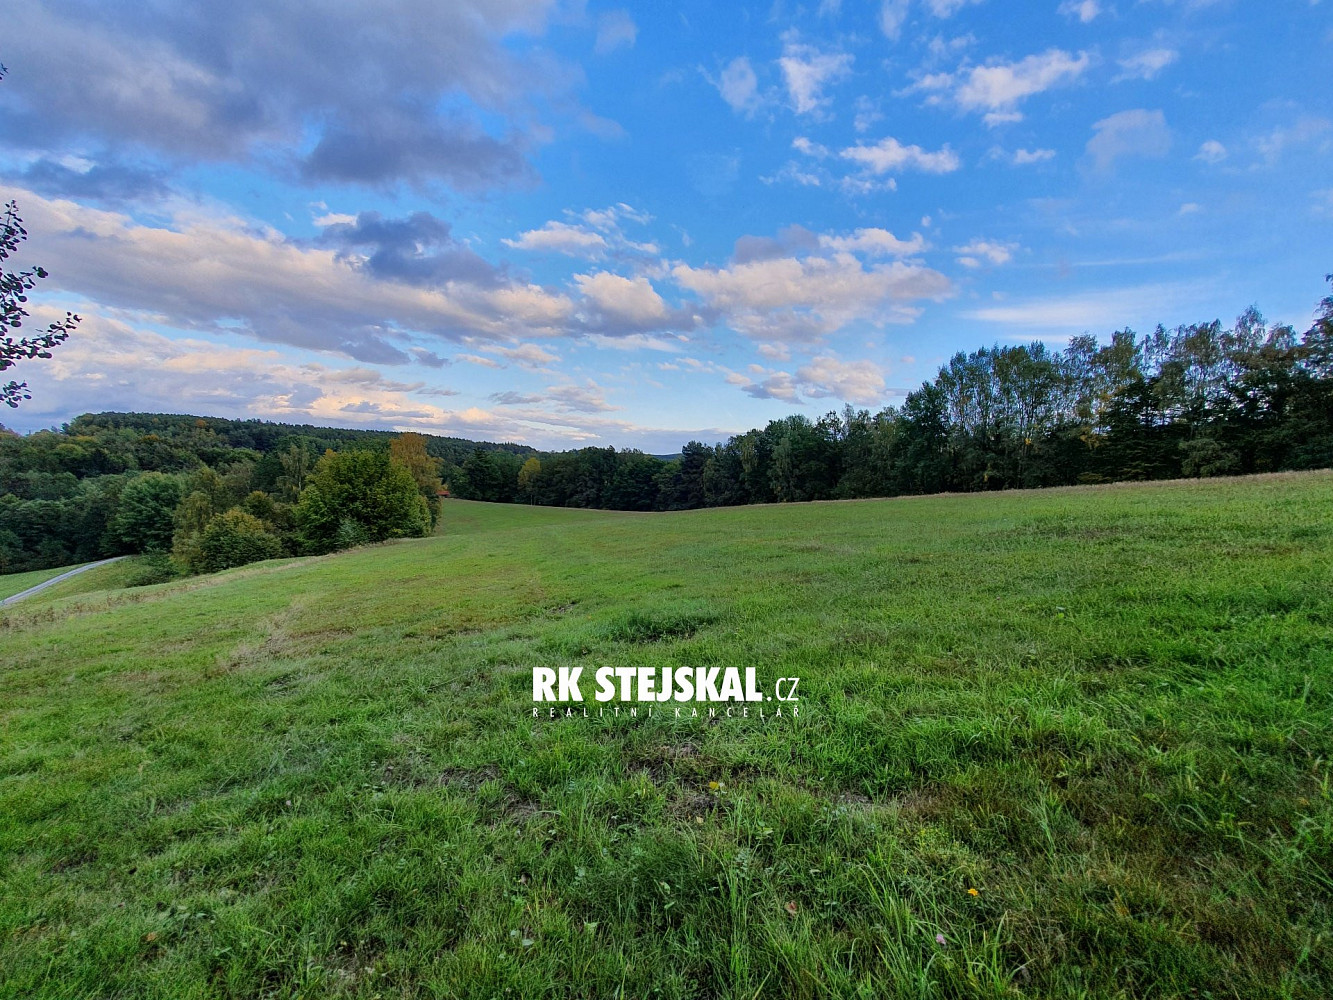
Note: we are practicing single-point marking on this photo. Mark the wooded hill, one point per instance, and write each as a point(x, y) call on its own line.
point(1199, 400)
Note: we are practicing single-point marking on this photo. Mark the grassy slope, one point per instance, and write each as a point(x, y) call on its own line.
point(12, 583)
point(1107, 710)
point(110, 577)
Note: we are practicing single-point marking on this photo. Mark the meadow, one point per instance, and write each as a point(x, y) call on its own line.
point(13, 583)
point(1062, 743)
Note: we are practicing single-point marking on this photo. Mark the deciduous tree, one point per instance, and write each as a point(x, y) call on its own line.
point(144, 519)
point(359, 496)
point(14, 289)
point(409, 451)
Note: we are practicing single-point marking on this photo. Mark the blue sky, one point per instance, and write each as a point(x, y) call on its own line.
point(569, 224)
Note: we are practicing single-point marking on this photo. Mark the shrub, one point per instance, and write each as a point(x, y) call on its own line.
point(350, 534)
point(153, 568)
point(233, 538)
point(355, 497)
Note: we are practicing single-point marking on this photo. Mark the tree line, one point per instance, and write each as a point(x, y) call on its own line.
point(196, 504)
point(1199, 400)
point(204, 493)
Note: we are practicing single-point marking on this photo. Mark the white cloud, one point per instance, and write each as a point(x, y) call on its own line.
point(889, 155)
point(803, 145)
point(1104, 309)
point(512, 398)
point(1000, 86)
point(1136, 132)
point(586, 398)
point(791, 171)
point(1211, 151)
point(739, 86)
point(892, 14)
point(874, 162)
point(203, 271)
point(111, 364)
point(596, 233)
point(1307, 130)
point(1024, 157)
point(623, 302)
point(477, 359)
point(980, 252)
point(859, 382)
point(670, 343)
point(614, 29)
point(867, 113)
point(874, 242)
point(526, 355)
point(802, 299)
point(823, 377)
point(1085, 11)
point(1147, 64)
point(608, 219)
point(333, 219)
point(560, 237)
point(806, 71)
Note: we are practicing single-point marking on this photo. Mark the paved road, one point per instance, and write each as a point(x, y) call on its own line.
point(56, 579)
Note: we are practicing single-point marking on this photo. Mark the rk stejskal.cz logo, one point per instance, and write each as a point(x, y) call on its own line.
point(657, 686)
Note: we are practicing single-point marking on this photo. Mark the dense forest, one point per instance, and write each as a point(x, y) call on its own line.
point(1199, 400)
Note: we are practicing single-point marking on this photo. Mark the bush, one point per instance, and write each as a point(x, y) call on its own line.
point(356, 497)
point(153, 568)
point(233, 538)
point(350, 534)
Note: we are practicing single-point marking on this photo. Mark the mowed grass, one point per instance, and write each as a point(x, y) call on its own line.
point(110, 577)
point(1108, 711)
point(13, 583)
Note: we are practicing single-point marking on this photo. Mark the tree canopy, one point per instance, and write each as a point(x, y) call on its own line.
point(359, 496)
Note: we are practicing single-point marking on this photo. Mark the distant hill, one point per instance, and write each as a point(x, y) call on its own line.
point(267, 435)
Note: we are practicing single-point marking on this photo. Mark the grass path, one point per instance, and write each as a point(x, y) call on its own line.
point(1107, 711)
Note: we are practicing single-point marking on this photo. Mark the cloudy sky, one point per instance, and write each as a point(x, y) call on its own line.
point(568, 223)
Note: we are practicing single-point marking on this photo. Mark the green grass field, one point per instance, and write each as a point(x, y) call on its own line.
point(1108, 711)
point(112, 576)
point(13, 583)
